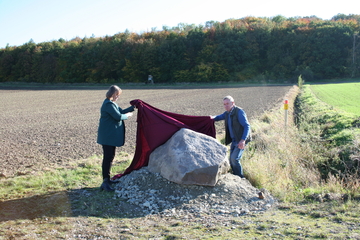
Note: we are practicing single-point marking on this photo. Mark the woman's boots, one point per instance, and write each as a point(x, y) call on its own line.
point(106, 185)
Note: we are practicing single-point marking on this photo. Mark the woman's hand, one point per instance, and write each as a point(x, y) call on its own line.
point(129, 114)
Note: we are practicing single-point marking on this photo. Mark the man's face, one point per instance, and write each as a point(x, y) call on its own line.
point(228, 105)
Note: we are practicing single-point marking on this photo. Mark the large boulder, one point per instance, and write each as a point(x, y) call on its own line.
point(189, 157)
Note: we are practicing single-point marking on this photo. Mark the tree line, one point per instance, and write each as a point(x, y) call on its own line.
point(246, 49)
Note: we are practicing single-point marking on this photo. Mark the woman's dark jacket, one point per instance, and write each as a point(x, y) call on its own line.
point(111, 129)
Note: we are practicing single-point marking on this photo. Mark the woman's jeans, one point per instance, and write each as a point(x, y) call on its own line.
point(108, 157)
point(235, 157)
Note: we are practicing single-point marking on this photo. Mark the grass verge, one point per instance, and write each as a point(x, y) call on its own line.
point(81, 174)
point(316, 152)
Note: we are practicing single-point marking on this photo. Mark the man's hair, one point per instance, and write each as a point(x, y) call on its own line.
point(113, 89)
point(230, 98)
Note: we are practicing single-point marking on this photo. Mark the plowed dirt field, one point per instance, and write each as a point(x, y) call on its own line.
point(42, 129)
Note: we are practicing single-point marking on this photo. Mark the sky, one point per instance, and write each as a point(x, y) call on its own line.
point(48, 20)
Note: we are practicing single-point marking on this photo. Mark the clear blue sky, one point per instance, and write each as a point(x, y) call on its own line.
point(47, 20)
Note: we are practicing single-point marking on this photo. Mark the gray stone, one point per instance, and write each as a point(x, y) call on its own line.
point(189, 157)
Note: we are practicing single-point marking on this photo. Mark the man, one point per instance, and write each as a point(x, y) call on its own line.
point(150, 79)
point(237, 132)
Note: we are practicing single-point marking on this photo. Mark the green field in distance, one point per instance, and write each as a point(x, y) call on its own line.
point(342, 96)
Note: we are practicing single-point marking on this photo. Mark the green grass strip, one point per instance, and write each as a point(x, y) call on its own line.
point(343, 96)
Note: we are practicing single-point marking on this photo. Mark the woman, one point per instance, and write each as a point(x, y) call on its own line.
point(111, 132)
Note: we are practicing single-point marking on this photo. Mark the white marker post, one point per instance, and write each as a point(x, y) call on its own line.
point(286, 107)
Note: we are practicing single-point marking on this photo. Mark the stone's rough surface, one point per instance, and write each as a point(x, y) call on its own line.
point(190, 157)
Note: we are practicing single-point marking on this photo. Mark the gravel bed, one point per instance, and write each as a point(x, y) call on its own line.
point(150, 193)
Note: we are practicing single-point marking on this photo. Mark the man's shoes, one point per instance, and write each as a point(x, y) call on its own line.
point(105, 186)
point(261, 195)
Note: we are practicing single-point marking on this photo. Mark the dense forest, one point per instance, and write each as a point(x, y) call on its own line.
point(247, 49)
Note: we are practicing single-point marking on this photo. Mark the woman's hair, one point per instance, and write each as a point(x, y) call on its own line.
point(113, 89)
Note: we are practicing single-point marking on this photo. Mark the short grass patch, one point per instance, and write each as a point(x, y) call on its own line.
point(82, 174)
point(342, 96)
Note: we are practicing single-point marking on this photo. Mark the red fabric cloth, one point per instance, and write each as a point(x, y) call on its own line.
point(155, 127)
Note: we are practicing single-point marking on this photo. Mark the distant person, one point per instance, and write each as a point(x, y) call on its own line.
point(237, 132)
point(111, 132)
point(150, 79)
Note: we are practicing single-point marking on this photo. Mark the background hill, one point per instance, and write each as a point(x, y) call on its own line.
point(247, 49)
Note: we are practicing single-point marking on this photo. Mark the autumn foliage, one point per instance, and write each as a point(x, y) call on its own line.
point(247, 49)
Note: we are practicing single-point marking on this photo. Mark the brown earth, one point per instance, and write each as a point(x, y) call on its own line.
point(42, 129)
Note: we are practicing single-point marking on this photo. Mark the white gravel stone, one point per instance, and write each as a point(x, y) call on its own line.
point(156, 195)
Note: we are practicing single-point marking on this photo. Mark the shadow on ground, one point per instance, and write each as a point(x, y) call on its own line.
point(85, 202)
point(72, 203)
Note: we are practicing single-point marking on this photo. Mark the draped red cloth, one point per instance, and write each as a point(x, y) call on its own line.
point(155, 127)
